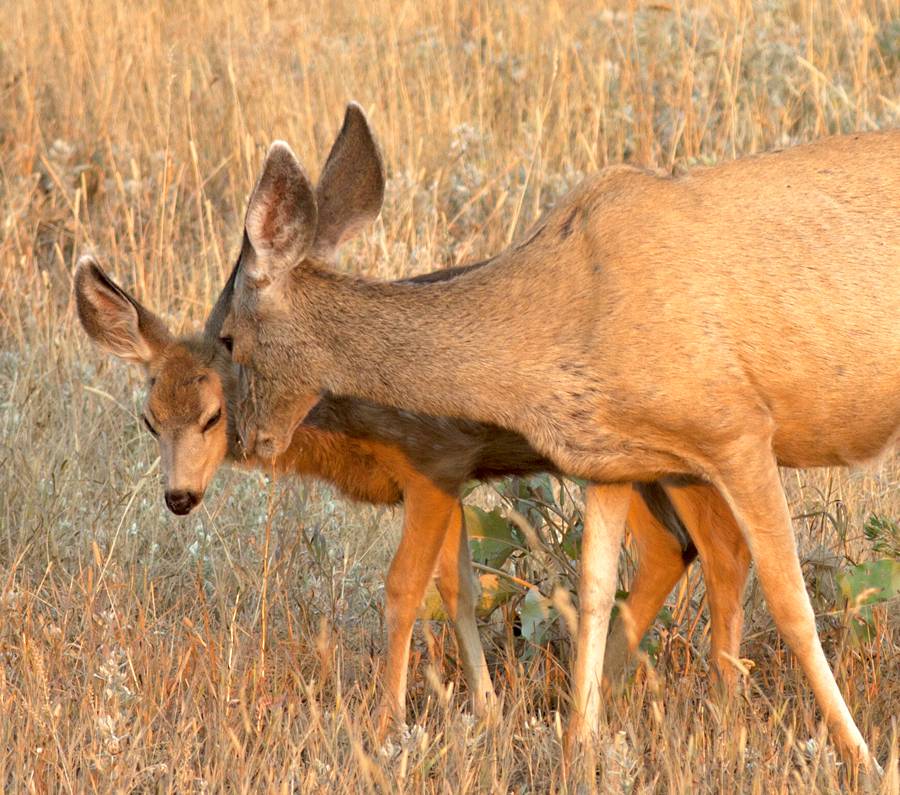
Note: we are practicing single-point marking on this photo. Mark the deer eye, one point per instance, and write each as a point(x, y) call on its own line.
point(227, 342)
point(212, 421)
point(150, 428)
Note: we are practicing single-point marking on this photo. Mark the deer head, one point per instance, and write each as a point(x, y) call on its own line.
point(289, 225)
point(190, 381)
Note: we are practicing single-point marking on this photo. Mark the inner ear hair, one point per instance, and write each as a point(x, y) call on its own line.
point(281, 217)
point(113, 319)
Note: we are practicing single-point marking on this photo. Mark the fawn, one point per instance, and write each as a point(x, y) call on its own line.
point(708, 326)
point(384, 456)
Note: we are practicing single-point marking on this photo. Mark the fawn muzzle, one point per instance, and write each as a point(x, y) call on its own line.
point(182, 502)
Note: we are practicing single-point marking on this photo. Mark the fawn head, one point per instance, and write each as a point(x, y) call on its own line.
point(291, 226)
point(190, 381)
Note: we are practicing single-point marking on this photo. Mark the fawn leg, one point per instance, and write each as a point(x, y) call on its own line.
point(725, 558)
point(661, 562)
point(427, 511)
point(458, 589)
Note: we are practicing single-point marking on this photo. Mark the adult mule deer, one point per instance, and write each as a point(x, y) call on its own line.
point(708, 326)
point(381, 455)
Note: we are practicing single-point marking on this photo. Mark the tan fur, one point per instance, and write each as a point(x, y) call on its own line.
point(191, 378)
point(605, 509)
point(715, 324)
point(726, 564)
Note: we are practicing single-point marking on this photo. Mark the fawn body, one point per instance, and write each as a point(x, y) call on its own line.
point(382, 456)
point(711, 325)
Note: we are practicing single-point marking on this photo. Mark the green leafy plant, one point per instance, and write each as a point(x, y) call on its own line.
point(492, 539)
point(872, 582)
point(865, 585)
point(536, 614)
point(884, 535)
point(521, 552)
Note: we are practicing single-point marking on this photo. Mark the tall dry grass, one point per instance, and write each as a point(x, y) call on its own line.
point(238, 650)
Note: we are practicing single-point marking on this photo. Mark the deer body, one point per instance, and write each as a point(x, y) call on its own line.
point(383, 456)
point(711, 325)
point(739, 280)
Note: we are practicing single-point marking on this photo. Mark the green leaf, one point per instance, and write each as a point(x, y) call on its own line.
point(571, 543)
point(469, 487)
point(491, 538)
point(541, 486)
point(666, 618)
point(495, 591)
point(881, 575)
point(866, 585)
point(884, 534)
point(651, 644)
point(537, 615)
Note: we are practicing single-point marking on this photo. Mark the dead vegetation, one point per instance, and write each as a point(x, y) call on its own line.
point(238, 650)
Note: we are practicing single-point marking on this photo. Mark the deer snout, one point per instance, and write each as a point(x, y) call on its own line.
point(182, 502)
point(268, 445)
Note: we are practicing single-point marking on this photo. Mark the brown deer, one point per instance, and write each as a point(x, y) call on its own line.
point(381, 455)
point(707, 327)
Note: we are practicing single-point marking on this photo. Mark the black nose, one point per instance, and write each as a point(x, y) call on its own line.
point(181, 502)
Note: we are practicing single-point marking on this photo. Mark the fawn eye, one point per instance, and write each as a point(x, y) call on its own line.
point(227, 342)
point(212, 421)
point(150, 428)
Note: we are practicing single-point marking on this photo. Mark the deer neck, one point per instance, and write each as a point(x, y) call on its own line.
point(463, 347)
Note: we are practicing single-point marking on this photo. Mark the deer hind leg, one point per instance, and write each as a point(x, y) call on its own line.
point(725, 558)
point(604, 526)
point(748, 479)
point(456, 584)
point(662, 558)
point(427, 511)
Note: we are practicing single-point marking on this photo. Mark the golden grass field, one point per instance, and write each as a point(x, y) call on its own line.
point(238, 650)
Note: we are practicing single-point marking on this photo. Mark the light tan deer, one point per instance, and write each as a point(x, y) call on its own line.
point(381, 455)
point(707, 326)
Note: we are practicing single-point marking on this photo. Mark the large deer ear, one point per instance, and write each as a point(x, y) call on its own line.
point(281, 216)
point(113, 319)
point(351, 187)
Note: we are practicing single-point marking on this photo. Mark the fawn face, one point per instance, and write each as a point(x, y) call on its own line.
point(187, 412)
point(190, 384)
point(289, 225)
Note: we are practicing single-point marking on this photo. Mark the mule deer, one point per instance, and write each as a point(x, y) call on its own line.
point(381, 455)
point(709, 326)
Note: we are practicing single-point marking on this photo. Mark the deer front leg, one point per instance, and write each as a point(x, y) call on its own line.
point(427, 511)
point(456, 584)
point(748, 479)
point(604, 525)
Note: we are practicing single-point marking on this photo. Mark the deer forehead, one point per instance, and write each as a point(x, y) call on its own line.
point(261, 299)
point(183, 390)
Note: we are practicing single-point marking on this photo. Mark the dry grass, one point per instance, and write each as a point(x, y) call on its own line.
point(234, 651)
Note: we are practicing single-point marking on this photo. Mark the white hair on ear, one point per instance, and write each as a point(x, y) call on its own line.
point(282, 216)
point(115, 321)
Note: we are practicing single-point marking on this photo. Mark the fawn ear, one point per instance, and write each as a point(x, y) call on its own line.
point(351, 187)
point(213, 327)
point(113, 319)
point(281, 216)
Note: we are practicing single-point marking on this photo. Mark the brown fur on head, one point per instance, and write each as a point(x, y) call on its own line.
point(288, 223)
point(190, 381)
